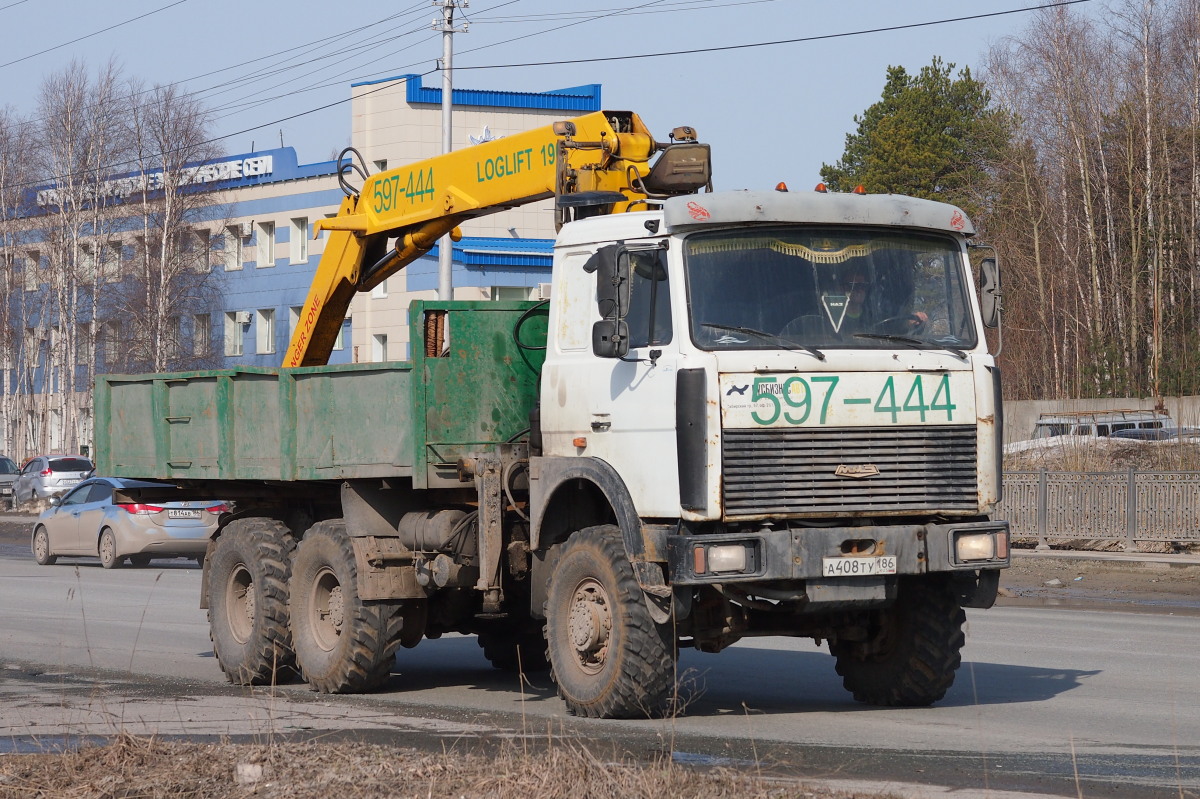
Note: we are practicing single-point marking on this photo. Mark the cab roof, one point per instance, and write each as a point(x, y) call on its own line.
point(826, 208)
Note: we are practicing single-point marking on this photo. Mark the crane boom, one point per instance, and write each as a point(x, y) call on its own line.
point(596, 163)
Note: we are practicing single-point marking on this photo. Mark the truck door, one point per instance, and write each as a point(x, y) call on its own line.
point(625, 406)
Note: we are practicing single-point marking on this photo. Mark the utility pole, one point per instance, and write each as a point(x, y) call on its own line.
point(446, 26)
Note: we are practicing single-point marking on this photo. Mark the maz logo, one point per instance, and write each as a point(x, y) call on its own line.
point(737, 390)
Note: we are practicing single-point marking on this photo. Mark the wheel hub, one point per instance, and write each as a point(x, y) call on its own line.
point(590, 624)
point(327, 609)
point(239, 603)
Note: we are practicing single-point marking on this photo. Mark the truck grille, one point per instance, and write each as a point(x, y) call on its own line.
point(792, 471)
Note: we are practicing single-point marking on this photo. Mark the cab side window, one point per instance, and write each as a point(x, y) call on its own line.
point(649, 289)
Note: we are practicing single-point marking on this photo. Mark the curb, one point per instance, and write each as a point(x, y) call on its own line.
point(1117, 557)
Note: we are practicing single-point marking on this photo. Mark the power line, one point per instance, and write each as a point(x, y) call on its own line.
point(90, 35)
point(751, 45)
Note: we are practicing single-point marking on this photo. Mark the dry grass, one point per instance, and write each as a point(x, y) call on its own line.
point(1087, 454)
point(139, 768)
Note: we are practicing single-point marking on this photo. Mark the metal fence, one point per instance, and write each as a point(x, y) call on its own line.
point(1131, 506)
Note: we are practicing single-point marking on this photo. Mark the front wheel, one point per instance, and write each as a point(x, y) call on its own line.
point(609, 658)
point(914, 649)
point(343, 643)
point(41, 547)
point(107, 550)
point(248, 601)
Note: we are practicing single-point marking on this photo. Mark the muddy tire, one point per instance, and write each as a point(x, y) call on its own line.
point(608, 656)
point(41, 547)
point(915, 650)
point(107, 550)
point(139, 561)
point(248, 601)
point(515, 648)
point(343, 643)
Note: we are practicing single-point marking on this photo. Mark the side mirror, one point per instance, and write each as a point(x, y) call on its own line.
point(610, 338)
point(989, 292)
point(55, 501)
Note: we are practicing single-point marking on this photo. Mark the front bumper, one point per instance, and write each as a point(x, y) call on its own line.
point(799, 553)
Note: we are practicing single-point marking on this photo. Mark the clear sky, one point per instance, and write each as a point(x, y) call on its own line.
point(771, 113)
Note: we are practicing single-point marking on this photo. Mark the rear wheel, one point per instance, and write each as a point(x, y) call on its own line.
point(248, 601)
point(343, 643)
point(914, 649)
point(41, 547)
point(610, 659)
point(107, 549)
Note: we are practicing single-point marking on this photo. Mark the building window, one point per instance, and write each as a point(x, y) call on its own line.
point(299, 238)
point(509, 293)
point(340, 342)
point(201, 334)
point(112, 343)
point(33, 265)
point(264, 331)
point(200, 241)
point(110, 262)
point(266, 244)
point(380, 165)
point(380, 291)
point(233, 332)
point(379, 347)
point(87, 263)
point(83, 342)
point(233, 248)
point(172, 334)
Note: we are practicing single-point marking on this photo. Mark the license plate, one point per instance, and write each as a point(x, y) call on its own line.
point(69, 481)
point(179, 513)
point(858, 567)
point(6, 490)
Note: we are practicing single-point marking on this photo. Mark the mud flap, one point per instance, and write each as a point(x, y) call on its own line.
point(656, 590)
point(977, 590)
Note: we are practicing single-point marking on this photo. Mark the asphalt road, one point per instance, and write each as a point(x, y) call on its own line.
point(1048, 701)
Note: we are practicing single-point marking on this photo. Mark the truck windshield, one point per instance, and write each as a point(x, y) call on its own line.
point(827, 288)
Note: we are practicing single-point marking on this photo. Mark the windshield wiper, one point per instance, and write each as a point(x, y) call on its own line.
point(915, 343)
point(779, 341)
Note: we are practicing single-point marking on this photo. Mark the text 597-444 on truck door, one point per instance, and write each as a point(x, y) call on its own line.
point(739, 414)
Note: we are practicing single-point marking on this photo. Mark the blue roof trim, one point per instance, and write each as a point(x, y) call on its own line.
point(574, 98)
point(482, 251)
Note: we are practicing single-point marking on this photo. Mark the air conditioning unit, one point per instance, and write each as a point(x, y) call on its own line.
point(247, 229)
point(543, 291)
point(242, 317)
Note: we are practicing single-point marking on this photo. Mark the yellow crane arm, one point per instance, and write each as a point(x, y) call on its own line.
point(603, 159)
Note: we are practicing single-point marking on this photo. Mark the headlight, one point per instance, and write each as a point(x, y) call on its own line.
point(977, 546)
point(719, 559)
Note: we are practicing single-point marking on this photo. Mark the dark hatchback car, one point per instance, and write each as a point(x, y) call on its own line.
point(45, 476)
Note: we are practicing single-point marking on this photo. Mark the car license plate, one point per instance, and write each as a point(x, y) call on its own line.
point(180, 513)
point(69, 481)
point(858, 567)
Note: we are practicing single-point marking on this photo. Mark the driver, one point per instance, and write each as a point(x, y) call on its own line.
point(850, 309)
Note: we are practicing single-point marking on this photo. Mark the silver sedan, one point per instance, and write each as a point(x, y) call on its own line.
point(88, 523)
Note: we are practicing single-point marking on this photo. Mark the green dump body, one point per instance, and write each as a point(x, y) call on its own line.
point(398, 419)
